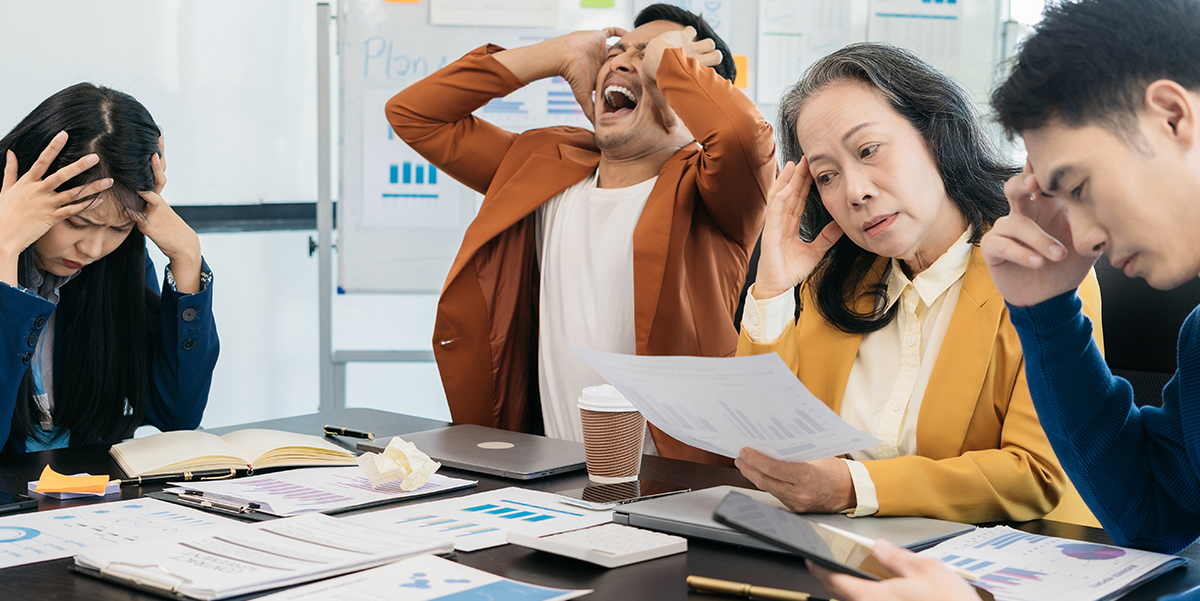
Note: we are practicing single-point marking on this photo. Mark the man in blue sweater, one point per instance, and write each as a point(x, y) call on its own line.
point(1106, 95)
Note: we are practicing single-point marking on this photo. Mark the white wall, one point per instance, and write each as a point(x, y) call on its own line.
point(265, 303)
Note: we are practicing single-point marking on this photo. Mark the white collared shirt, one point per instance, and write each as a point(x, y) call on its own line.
point(892, 368)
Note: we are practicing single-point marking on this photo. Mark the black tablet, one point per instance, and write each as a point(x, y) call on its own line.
point(805, 538)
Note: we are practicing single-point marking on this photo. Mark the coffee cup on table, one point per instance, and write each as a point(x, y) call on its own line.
point(613, 433)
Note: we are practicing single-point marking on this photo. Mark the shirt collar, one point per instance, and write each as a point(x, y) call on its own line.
point(47, 285)
point(937, 279)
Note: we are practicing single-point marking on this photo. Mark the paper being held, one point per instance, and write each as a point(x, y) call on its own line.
point(721, 404)
point(400, 460)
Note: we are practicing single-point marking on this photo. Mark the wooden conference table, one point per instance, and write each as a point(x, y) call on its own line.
point(658, 580)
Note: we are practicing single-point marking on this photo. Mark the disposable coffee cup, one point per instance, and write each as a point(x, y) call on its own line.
point(613, 433)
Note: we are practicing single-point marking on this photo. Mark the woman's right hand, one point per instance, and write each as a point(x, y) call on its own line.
point(785, 259)
point(29, 206)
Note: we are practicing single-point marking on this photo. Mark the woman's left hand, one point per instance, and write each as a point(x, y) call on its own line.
point(821, 486)
point(174, 237)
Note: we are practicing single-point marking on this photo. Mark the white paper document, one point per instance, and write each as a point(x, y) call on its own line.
point(931, 29)
point(792, 35)
point(58, 533)
point(247, 558)
point(1018, 566)
point(484, 519)
point(494, 13)
point(721, 404)
point(423, 578)
point(295, 492)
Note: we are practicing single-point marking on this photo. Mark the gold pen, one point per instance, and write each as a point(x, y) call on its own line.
point(741, 589)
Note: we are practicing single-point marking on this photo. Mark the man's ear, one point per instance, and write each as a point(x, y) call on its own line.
point(1173, 109)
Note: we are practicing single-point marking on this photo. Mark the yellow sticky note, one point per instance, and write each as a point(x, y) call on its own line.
point(52, 481)
point(739, 61)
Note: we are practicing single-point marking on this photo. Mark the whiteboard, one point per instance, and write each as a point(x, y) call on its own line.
point(400, 220)
point(231, 83)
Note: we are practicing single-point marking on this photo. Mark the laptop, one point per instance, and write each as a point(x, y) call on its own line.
point(691, 514)
point(493, 451)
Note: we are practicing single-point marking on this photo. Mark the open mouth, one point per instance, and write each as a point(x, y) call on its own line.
point(618, 101)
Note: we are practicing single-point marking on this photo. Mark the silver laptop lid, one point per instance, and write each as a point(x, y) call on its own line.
point(493, 451)
point(690, 514)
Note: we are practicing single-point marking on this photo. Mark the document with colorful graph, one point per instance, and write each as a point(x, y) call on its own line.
point(58, 533)
point(423, 578)
point(1018, 566)
point(300, 491)
point(484, 519)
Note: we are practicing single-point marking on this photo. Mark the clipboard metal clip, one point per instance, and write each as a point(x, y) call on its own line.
point(198, 499)
point(113, 571)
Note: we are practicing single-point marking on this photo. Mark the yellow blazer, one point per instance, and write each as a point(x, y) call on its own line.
point(982, 455)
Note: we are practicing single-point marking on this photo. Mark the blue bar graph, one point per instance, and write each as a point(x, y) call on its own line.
point(394, 174)
point(407, 173)
point(420, 174)
point(432, 174)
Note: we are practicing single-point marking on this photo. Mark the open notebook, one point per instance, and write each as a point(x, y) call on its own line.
point(189, 450)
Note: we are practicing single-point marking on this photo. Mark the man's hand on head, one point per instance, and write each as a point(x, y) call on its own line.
point(705, 51)
point(1030, 252)
point(582, 53)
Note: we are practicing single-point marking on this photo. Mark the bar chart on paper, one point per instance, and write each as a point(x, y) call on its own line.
point(1015, 565)
point(483, 520)
point(46, 535)
point(401, 189)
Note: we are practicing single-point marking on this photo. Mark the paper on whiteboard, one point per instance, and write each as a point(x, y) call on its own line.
point(931, 29)
point(717, 13)
point(401, 189)
point(721, 404)
point(494, 13)
point(792, 35)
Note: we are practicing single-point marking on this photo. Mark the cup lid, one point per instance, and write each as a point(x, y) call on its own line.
point(604, 398)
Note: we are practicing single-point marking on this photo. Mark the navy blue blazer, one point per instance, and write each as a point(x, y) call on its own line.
point(181, 366)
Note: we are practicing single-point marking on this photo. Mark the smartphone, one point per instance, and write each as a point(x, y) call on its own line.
point(607, 496)
point(10, 503)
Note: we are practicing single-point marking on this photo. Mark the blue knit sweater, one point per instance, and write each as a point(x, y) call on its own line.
point(1138, 469)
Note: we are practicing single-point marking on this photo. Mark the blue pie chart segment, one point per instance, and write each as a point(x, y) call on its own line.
point(1091, 552)
point(16, 534)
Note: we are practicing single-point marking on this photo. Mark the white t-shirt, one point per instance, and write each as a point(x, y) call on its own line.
point(586, 258)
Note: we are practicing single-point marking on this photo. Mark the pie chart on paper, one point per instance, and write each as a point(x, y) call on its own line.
point(1091, 552)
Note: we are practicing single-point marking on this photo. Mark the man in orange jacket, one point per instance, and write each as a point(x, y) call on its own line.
point(632, 238)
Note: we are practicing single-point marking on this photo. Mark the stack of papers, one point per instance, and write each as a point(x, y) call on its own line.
point(248, 558)
point(1018, 566)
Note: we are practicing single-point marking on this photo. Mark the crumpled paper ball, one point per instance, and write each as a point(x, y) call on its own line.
point(402, 461)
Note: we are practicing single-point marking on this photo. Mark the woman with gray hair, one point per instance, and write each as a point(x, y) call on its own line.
point(872, 288)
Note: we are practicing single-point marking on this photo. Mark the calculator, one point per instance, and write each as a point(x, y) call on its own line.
point(608, 545)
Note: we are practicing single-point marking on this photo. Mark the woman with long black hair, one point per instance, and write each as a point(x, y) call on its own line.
point(91, 349)
point(877, 218)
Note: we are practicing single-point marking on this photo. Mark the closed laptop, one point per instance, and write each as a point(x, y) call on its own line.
point(493, 451)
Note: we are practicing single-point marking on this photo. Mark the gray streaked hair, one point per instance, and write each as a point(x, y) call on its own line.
point(972, 171)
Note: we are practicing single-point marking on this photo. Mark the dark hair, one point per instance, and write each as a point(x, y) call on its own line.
point(666, 12)
point(1089, 62)
point(106, 317)
point(971, 169)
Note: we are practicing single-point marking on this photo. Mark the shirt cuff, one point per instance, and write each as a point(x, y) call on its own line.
point(864, 490)
point(1047, 315)
point(764, 321)
point(205, 277)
